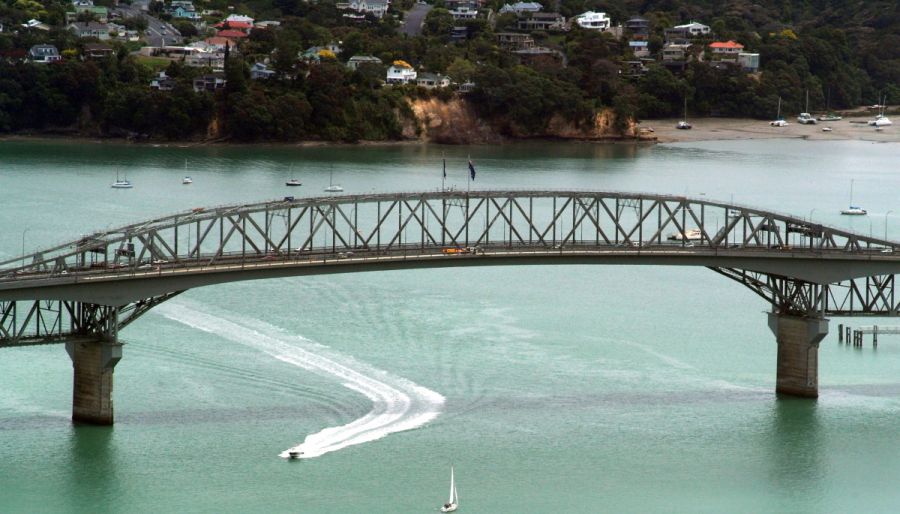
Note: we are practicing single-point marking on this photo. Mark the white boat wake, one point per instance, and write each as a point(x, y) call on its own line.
point(397, 404)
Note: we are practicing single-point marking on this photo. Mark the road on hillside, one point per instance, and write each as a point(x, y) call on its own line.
point(158, 33)
point(412, 24)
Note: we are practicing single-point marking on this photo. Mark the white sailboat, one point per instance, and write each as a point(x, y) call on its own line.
point(332, 187)
point(453, 503)
point(779, 121)
point(121, 183)
point(683, 124)
point(880, 119)
point(806, 118)
point(853, 210)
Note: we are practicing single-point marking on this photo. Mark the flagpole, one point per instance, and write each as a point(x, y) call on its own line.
point(468, 175)
point(444, 176)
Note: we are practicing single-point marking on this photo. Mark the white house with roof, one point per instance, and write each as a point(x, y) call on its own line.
point(90, 29)
point(400, 72)
point(432, 80)
point(377, 8)
point(239, 18)
point(693, 28)
point(464, 13)
point(521, 7)
point(593, 20)
point(43, 54)
point(361, 60)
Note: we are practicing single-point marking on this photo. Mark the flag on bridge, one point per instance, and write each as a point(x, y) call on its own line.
point(471, 169)
point(445, 168)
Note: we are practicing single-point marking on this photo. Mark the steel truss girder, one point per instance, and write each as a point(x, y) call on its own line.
point(864, 296)
point(543, 218)
point(36, 322)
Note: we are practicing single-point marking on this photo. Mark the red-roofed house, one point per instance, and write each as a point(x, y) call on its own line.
point(235, 25)
point(231, 34)
point(728, 48)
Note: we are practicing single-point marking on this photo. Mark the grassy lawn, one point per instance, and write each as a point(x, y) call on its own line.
point(154, 63)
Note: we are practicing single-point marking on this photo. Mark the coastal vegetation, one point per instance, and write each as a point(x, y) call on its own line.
point(842, 54)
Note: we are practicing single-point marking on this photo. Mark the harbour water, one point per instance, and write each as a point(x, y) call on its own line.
point(549, 388)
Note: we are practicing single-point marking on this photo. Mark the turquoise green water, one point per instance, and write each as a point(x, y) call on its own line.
point(550, 389)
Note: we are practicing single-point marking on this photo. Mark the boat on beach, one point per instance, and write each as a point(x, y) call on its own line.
point(187, 180)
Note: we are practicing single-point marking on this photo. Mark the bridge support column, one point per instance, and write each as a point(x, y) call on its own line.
point(92, 389)
point(798, 353)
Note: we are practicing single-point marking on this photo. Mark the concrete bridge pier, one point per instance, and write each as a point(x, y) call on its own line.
point(798, 353)
point(93, 363)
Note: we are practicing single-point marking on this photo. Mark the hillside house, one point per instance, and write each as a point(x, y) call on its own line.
point(593, 21)
point(400, 72)
point(261, 71)
point(43, 54)
point(514, 40)
point(725, 51)
point(162, 82)
point(90, 29)
point(361, 60)
point(521, 8)
point(547, 21)
point(432, 80)
point(210, 83)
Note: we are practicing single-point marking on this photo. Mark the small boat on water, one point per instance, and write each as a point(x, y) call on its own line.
point(453, 503)
point(683, 124)
point(332, 187)
point(187, 180)
point(293, 183)
point(294, 455)
point(121, 183)
point(853, 210)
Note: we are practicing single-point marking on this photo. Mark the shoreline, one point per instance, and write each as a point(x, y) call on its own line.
point(653, 131)
point(729, 129)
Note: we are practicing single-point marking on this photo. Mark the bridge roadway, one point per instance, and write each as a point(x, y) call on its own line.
point(82, 293)
point(125, 284)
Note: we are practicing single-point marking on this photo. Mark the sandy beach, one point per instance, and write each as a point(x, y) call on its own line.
point(710, 129)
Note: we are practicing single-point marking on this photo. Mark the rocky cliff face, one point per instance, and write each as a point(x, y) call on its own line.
point(456, 122)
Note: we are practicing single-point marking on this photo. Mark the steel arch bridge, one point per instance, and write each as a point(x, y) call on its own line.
point(96, 285)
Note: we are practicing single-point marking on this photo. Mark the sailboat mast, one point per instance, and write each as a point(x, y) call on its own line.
point(452, 486)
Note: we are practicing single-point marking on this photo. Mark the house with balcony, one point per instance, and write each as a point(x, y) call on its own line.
point(640, 49)
point(725, 51)
point(211, 83)
point(546, 21)
point(90, 29)
point(376, 8)
point(514, 40)
point(400, 72)
point(432, 80)
point(464, 13)
point(593, 21)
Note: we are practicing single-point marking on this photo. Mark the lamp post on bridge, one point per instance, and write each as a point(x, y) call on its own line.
point(23, 246)
point(885, 223)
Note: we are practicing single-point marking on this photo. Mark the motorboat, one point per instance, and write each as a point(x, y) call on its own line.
point(830, 117)
point(453, 503)
point(293, 182)
point(294, 455)
point(826, 129)
point(187, 180)
point(854, 210)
